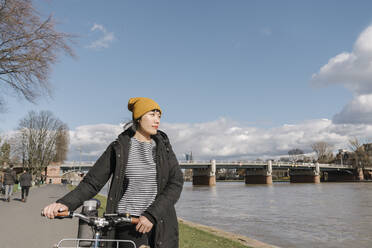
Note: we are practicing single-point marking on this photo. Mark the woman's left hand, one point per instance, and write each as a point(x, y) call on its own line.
point(144, 225)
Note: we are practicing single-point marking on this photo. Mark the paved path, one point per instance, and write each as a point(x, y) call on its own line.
point(22, 226)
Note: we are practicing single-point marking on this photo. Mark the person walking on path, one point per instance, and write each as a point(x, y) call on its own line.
point(146, 180)
point(9, 179)
point(2, 189)
point(25, 181)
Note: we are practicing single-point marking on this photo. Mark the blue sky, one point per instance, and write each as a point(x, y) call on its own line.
point(220, 70)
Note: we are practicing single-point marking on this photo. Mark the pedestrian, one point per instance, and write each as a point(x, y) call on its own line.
point(2, 188)
point(9, 179)
point(37, 181)
point(41, 179)
point(146, 180)
point(25, 180)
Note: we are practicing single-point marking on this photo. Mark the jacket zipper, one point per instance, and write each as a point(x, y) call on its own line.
point(158, 166)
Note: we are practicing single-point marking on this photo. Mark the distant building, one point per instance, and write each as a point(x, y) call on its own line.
point(53, 174)
point(348, 157)
point(57, 173)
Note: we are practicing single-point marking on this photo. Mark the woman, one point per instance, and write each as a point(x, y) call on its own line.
point(146, 180)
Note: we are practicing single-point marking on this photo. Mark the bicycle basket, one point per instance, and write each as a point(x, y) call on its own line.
point(106, 243)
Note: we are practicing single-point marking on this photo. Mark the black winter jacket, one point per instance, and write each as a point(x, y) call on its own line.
point(112, 163)
point(25, 180)
point(10, 177)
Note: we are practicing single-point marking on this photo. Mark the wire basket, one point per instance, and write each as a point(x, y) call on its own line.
point(106, 243)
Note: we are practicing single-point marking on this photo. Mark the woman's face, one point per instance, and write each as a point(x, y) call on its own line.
point(149, 122)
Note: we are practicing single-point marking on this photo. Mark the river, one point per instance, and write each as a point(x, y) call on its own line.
point(325, 215)
point(283, 214)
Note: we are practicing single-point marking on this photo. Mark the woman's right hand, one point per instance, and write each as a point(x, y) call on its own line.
point(53, 209)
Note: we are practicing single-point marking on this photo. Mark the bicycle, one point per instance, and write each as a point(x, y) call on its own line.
point(99, 224)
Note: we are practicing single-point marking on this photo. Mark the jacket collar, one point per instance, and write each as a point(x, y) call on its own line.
point(127, 134)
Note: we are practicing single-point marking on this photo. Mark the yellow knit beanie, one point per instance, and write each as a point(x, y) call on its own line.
point(141, 105)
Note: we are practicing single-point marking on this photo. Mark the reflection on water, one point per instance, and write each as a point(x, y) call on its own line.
point(284, 214)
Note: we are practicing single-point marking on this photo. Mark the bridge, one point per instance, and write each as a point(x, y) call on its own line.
point(258, 172)
point(260, 165)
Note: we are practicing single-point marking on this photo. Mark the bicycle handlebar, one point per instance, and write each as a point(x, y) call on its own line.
point(61, 215)
point(107, 220)
point(132, 220)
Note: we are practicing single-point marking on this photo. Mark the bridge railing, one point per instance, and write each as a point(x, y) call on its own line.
point(234, 163)
point(263, 163)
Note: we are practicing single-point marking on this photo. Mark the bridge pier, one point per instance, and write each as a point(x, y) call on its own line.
point(305, 175)
point(259, 176)
point(344, 175)
point(359, 174)
point(205, 177)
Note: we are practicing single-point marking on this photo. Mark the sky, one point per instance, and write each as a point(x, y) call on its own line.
point(238, 79)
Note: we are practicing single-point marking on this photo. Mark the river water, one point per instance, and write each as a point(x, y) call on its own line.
point(325, 215)
point(287, 215)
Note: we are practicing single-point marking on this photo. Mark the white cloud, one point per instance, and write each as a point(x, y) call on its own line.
point(99, 27)
point(92, 140)
point(225, 139)
point(359, 110)
point(354, 71)
point(105, 40)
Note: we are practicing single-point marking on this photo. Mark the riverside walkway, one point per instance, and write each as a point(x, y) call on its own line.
point(21, 225)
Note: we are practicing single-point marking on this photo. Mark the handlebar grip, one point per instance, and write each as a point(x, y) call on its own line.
point(63, 214)
point(134, 220)
point(60, 215)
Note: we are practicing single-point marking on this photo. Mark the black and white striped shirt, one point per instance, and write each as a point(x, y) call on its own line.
point(141, 176)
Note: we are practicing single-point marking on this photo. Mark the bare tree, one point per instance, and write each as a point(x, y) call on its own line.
point(62, 142)
point(28, 48)
point(15, 151)
point(323, 151)
point(38, 134)
point(296, 154)
point(4, 152)
point(360, 154)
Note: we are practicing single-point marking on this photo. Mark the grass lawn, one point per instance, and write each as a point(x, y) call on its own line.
point(190, 237)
